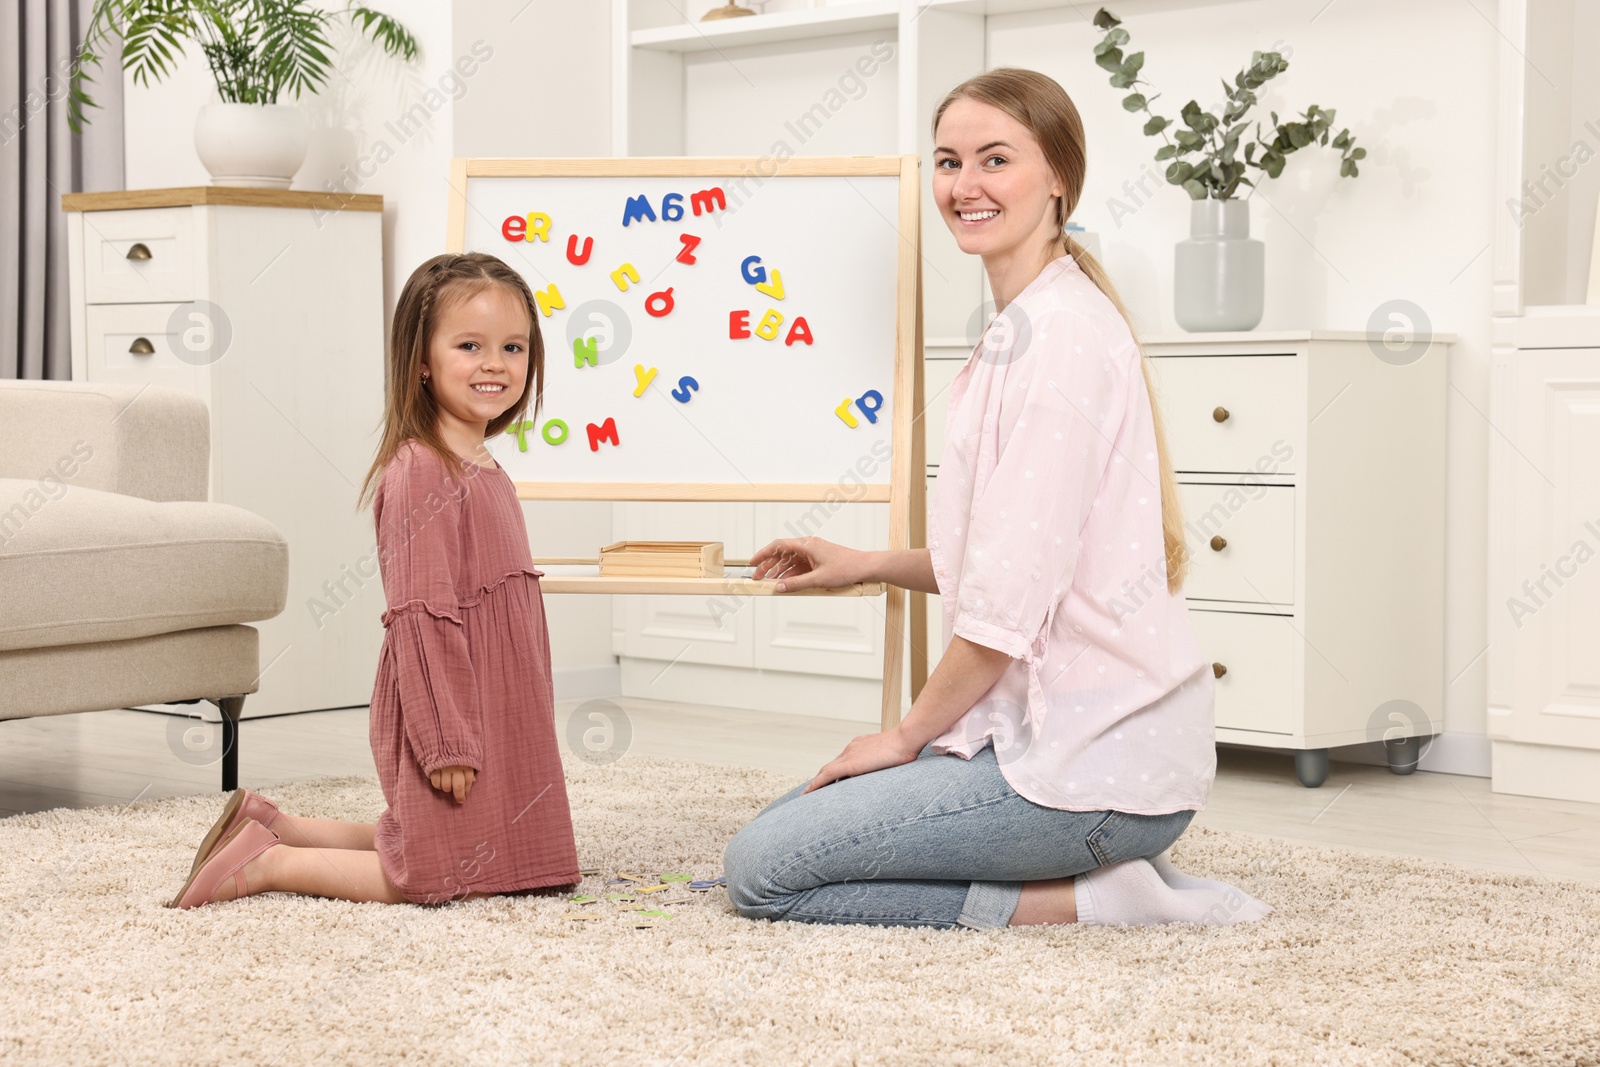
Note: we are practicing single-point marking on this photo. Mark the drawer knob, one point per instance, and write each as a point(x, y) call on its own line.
point(1220, 414)
point(140, 250)
point(142, 347)
point(1218, 670)
point(1218, 543)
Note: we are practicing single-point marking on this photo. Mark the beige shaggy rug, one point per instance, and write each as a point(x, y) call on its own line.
point(1366, 960)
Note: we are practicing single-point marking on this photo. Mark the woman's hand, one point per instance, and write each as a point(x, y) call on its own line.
point(809, 563)
point(865, 754)
point(457, 780)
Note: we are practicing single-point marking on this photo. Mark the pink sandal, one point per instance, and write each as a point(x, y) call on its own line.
point(247, 841)
point(243, 804)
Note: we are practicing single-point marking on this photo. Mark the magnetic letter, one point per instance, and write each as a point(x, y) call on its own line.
point(659, 304)
point(843, 411)
point(638, 209)
point(585, 350)
point(538, 226)
point(800, 331)
point(622, 274)
point(519, 430)
point(549, 299)
point(672, 207)
point(705, 198)
point(870, 410)
point(573, 256)
point(738, 325)
point(606, 431)
point(643, 377)
point(752, 270)
point(514, 228)
point(690, 241)
point(686, 386)
point(556, 438)
point(773, 288)
point(767, 328)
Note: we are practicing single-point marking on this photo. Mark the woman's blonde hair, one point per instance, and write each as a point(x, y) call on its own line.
point(410, 410)
point(1041, 105)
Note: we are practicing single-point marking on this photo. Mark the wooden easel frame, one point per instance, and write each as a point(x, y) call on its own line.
point(906, 490)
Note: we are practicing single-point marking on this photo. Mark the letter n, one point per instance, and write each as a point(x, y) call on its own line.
point(548, 300)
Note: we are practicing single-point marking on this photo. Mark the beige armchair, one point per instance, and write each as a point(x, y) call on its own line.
point(120, 585)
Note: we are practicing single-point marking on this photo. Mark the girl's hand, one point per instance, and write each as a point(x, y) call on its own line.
point(809, 563)
point(868, 753)
point(457, 780)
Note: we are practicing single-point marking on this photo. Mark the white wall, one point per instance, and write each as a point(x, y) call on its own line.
point(1415, 83)
point(354, 121)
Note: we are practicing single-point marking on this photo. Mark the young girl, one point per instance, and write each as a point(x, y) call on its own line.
point(462, 727)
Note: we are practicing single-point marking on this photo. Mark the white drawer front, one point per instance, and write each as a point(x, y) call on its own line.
point(112, 349)
point(1256, 690)
point(1241, 542)
point(166, 276)
point(1232, 414)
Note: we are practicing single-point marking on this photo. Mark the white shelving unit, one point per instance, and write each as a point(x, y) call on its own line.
point(678, 88)
point(1544, 479)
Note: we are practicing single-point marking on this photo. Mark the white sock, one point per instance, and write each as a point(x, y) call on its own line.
point(1133, 894)
point(1178, 880)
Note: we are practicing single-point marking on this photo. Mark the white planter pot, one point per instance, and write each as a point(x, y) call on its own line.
point(260, 145)
point(1220, 276)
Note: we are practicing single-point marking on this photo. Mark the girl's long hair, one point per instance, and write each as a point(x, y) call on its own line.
point(1040, 104)
point(410, 410)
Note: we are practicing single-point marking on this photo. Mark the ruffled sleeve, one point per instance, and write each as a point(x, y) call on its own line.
point(417, 514)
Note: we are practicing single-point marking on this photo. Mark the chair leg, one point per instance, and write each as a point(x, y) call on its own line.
point(231, 708)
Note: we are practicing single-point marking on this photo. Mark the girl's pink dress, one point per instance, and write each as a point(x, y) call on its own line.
point(464, 679)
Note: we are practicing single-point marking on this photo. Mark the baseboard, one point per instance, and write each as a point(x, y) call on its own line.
point(582, 683)
point(573, 683)
point(1556, 772)
point(1446, 753)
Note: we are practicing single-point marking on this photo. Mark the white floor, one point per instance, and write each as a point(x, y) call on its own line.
point(119, 757)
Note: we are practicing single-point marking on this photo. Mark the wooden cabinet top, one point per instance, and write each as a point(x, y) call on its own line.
point(237, 196)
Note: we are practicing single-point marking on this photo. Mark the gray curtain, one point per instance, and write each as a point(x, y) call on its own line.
point(40, 159)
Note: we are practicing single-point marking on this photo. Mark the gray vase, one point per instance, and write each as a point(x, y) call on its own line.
point(1220, 271)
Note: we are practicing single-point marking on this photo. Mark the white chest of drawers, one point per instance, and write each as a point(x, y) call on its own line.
point(268, 305)
point(1312, 472)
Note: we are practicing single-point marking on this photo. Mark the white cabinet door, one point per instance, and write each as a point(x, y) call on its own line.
point(687, 629)
point(1546, 595)
point(839, 636)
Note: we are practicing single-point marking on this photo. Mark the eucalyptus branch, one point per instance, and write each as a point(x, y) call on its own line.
point(1216, 170)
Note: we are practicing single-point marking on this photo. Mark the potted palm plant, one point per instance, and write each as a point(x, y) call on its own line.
point(258, 51)
point(1220, 273)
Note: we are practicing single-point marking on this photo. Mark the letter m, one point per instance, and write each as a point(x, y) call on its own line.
point(706, 198)
point(638, 209)
point(606, 431)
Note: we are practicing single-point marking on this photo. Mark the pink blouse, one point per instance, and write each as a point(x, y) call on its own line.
point(1045, 534)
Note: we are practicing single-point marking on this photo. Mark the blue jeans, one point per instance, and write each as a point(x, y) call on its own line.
point(940, 841)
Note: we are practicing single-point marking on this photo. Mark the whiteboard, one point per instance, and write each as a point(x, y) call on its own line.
point(758, 410)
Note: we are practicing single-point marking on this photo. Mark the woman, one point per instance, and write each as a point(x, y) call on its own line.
point(1065, 739)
